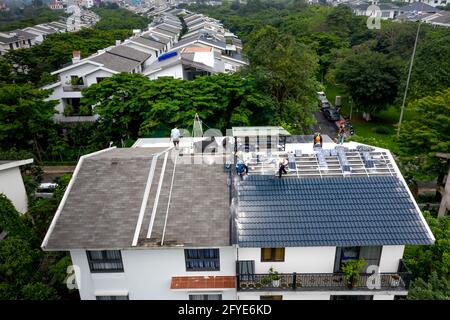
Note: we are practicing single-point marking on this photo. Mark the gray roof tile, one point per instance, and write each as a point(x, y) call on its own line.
point(330, 211)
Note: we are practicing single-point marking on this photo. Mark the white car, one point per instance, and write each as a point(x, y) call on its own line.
point(45, 190)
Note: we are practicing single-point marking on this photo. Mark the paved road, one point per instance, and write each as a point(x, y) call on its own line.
point(324, 126)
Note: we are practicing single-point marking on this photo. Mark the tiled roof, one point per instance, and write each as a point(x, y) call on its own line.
point(203, 282)
point(150, 43)
point(129, 53)
point(344, 211)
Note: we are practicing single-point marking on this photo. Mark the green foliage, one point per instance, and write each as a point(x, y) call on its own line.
point(40, 215)
point(39, 291)
point(25, 118)
point(119, 18)
point(437, 288)
point(12, 222)
point(423, 260)
point(16, 261)
point(421, 137)
point(371, 78)
point(63, 182)
point(130, 105)
point(274, 275)
point(351, 270)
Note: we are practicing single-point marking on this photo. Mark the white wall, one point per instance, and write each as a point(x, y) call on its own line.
point(91, 78)
point(390, 258)
point(286, 295)
point(11, 185)
point(148, 273)
point(300, 260)
point(383, 297)
point(175, 72)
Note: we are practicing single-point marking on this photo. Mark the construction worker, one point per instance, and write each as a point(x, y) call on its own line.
point(175, 137)
point(341, 134)
point(282, 169)
point(317, 140)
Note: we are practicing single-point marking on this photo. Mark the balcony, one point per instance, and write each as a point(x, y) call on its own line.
point(397, 281)
point(74, 88)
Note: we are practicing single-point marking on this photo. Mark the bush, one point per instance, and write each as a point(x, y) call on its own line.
point(381, 130)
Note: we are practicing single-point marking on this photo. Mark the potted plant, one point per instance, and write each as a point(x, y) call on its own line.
point(351, 271)
point(265, 281)
point(395, 280)
point(275, 277)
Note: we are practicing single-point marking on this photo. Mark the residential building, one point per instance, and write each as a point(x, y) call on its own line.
point(84, 72)
point(16, 39)
point(149, 222)
point(11, 183)
point(433, 3)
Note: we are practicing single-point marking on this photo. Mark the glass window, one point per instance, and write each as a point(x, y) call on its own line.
point(205, 297)
point(105, 261)
point(272, 254)
point(202, 259)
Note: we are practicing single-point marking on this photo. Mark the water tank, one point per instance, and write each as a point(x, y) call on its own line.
point(167, 55)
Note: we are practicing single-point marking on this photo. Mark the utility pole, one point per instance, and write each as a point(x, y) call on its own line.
point(407, 80)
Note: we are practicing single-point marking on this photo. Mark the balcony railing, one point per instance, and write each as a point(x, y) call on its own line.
point(399, 281)
point(73, 88)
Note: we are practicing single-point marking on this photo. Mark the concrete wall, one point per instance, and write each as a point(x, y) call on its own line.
point(11, 185)
point(148, 273)
point(300, 260)
point(175, 72)
point(390, 258)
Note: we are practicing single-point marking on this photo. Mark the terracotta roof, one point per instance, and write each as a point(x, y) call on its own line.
point(203, 282)
point(196, 49)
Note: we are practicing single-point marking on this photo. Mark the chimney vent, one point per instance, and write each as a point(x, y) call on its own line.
point(76, 56)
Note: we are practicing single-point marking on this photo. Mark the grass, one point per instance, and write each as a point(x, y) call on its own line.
point(380, 131)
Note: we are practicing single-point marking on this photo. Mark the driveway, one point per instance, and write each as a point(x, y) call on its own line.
point(324, 126)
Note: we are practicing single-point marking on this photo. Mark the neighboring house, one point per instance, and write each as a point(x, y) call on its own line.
point(148, 223)
point(41, 31)
point(418, 7)
point(441, 18)
point(85, 72)
point(432, 3)
point(387, 10)
point(56, 5)
point(187, 63)
point(17, 39)
point(11, 183)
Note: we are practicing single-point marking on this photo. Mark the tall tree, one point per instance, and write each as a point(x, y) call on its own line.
point(371, 79)
point(25, 118)
point(286, 69)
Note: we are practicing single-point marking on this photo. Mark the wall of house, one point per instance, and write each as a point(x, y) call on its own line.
point(91, 78)
point(390, 258)
point(11, 185)
point(82, 69)
point(297, 259)
point(174, 71)
point(148, 273)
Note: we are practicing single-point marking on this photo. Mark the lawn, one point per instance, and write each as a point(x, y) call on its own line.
point(380, 131)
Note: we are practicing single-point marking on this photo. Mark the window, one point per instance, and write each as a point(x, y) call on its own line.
point(112, 297)
point(202, 259)
point(272, 254)
point(205, 297)
point(105, 261)
point(277, 297)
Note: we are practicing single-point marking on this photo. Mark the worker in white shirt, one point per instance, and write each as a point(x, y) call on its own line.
point(175, 137)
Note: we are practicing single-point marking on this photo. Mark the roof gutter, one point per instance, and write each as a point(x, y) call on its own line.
point(66, 194)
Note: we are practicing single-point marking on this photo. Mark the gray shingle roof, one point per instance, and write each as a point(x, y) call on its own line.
point(103, 205)
point(130, 53)
point(418, 6)
point(150, 43)
point(353, 211)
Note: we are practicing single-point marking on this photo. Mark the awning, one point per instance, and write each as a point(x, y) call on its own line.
point(203, 282)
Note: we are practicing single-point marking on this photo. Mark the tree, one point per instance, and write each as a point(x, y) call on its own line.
point(16, 261)
point(11, 221)
point(38, 291)
point(431, 70)
point(435, 289)
point(430, 265)
point(286, 69)
point(371, 79)
point(421, 137)
point(25, 117)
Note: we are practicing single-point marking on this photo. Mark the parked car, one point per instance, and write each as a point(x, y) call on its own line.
point(325, 105)
point(331, 114)
point(45, 190)
point(321, 96)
